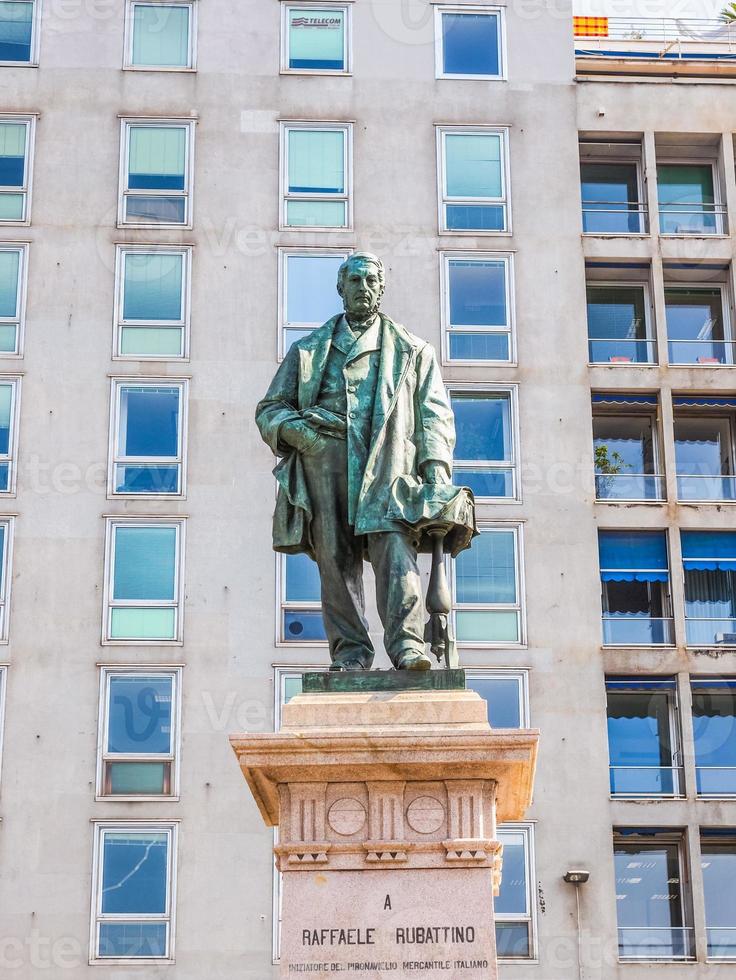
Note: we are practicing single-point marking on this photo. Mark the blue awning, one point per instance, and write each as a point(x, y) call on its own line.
point(616, 398)
point(719, 683)
point(702, 401)
point(633, 556)
point(709, 551)
point(639, 684)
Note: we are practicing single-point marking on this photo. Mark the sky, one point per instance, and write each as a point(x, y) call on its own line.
point(650, 8)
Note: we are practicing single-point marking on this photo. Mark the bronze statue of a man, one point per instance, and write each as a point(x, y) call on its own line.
point(359, 414)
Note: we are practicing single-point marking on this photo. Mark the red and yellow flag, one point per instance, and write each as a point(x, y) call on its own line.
point(590, 26)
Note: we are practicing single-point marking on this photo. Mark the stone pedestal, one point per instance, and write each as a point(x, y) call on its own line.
point(387, 805)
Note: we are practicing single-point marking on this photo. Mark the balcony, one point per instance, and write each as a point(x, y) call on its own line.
point(646, 781)
point(635, 630)
point(654, 46)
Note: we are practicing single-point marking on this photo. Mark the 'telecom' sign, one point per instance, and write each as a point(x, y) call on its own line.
point(321, 23)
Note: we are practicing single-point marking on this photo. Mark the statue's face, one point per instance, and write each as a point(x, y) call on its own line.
point(361, 289)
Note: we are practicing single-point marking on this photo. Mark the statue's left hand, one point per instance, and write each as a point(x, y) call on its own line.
point(435, 472)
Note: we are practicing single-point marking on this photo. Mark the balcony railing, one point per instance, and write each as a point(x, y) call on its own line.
point(655, 38)
point(702, 352)
point(635, 630)
point(710, 632)
point(646, 780)
point(722, 942)
point(691, 487)
point(698, 219)
point(614, 218)
point(629, 486)
point(616, 350)
point(655, 943)
point(716, 780)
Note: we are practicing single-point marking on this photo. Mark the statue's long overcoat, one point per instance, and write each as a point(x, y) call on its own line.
point(412, 423)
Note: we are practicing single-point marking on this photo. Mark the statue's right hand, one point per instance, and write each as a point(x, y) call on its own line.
point(299, 435)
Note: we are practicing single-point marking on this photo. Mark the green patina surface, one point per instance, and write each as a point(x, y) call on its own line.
point(362, 681)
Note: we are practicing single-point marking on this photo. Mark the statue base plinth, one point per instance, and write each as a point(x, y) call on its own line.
point(341, 681)
point(386, 804)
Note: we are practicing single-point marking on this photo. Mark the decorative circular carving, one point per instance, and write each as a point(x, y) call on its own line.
point(346, 817)
point(425, 815)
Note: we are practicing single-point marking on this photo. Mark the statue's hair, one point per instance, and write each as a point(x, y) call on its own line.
point(363, 257)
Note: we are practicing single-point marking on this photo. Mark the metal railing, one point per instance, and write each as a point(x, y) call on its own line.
point(615, 218)
point(646, 780)
point(696, 219)
point(659, 37)
point(629, 486)
point(715, 780)
point(722, 942)
point(702, 352)
point(621, 350)
point(655, 943)
point(703, 631)
point(708, 487)
point(635, 630)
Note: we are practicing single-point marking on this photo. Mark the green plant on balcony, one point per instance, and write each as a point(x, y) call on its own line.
point(728, 14)
point(607, 466)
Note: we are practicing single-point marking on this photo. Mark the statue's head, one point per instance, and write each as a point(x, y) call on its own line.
point(361, 283)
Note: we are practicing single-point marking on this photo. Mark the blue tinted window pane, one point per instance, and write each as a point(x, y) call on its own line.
point(157, 159)
point(512, 899)
point(147, 479)
point(6, 414)
point(12, 154)
point(139, 715)
point(477, 294)
point(512, 940)
point(149, 422)
point(16, 26)
point(161, 36)
point(467, 217)
point(304, 625)
point(639, 729)
point(610, 193)
point(719, 882)
point(316, 161)
point(503, 698)
point(145, 559)
point(311, 288)
point(4, 476)
point(302, 579)
point(171, 210)
point(470, 44)
point(9, 270)
point(473, 163)
point(486, 572)
point(134, 877)
point(153, 287)
point(132, 939)
point(485, 483)
point(479, 347)
point(616, 312)
point(483, 426)
point(714, 724)
point(3, 529)
point(316, 39)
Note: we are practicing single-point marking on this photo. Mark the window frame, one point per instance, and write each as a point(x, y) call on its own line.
point(649, 322)
point(714, 837)
point(698, 683)
point(19, 321)
point(284, 253)
point(446, 257)
point(439, 46)
point(684, 567)
point(720, 212)
point(177, 604)
point(122, 250)
point(479, 389)
point(282, 606)
point(188, 123)
point(3, 701)
point(728, 325)
point(526, 828)
point(35, 40)
point(643, 202)
point(518, 674)
point(519, 607)
point(632, 411)
point(15, 382)
point(113, 459)
point(706, 413)
point(6, 566)
point(29, 121)
point(345, 7)
point(130, 6)
point(153, 826)
point(285, 128)
point(444, 199)
point(108, 671)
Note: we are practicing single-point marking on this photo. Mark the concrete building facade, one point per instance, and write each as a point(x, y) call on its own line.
point(178, 184)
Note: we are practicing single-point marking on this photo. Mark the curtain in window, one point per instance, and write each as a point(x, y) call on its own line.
point(157, 157)
point(316, 38)
point(316, 161)
point(9, 269)
point(149, 422)
point(633, 556)
point(12, 154)
point(477, 293)
point(486, 573)
point(16, 28)
point(473, 164)
point(161, 36)
point(145, 561)
point(153, 287)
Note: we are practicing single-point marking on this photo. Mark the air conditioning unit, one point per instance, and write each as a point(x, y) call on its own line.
point(728, 639)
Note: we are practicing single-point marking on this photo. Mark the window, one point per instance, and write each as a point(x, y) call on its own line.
point(147, 438)
point(478, 308)
point(469, 42)
point(156, 174)
point(709, 559)
point(704, 447)
point(9, 412)
point(506, 693)
point(514, 906)
point(308, 292)
point(637, 609)
point(714, 734)
point(487, 589)
point(6, 562)
point(316, 175)
point(16, 155)
point(139, 724)
point(288, 682)
point(619, 326)
point(611, 188)
point(18, 32)
point(653, 915)
point(134, 891)
point(698, 326)
point(316, 38)
point(485, 456)
point(13, 267)
point(626, 447)
point(687, 199)
point(643, 737)
point(718, 864)
point(144, 581)
point(3, 685)
point(473, 180)
point(161, 35)
point(153, 302)
point(301, 609)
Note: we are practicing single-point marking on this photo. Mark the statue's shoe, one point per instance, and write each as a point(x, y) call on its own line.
point(413, 661)
point(346, 665)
